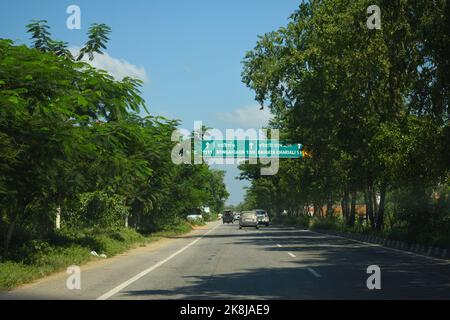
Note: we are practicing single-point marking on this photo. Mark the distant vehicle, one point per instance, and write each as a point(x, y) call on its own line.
point(196, 214)
point(227, 216)
point(237, 216)
point(194, 217)
point(248, 219)
point(219, 216)
point(263, 217)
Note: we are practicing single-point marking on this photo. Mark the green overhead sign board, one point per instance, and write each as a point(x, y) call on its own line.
point(249, 149)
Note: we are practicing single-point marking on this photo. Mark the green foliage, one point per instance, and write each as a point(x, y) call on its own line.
point(99, 209)
point(98, 37)
point(175, 227)
point(198, 222)
point(330, 223)
point(212, 216)
point(300, 221)
point(40, 34)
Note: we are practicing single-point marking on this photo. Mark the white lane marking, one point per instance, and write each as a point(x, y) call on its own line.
point(315, 273)
point(122, 286)
point(279, 245)
point(291, 254)
point(386, 248)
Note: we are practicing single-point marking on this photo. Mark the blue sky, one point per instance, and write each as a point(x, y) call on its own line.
point(188, 52)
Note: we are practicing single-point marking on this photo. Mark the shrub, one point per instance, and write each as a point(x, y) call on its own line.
point(303, 221)
point(197, 222)
point(13, 273)
point(327, 223)
point(210, 216)
point(98, 209)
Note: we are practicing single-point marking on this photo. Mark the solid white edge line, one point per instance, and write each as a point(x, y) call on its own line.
point(291, 254)
point(122, 286)
point(315, 273)
point(387, 248)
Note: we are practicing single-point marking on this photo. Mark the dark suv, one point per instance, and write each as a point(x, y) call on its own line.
point(227, 216)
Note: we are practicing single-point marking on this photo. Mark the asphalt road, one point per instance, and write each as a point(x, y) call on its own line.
point(223, 262)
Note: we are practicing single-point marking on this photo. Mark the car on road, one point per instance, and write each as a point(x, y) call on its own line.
point(227, 216)
point(194, 217)
point(237, 216)
point(263, 217)
point(195, 214)
point(248, 219)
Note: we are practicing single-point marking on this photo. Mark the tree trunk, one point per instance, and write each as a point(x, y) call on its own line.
point(58, 218)
point(374, 201)
point(369, 207)
point(366, 203)
point(137, 224)
point(344, 205)
point(330, 205)
point(351, 221)
point(380, 215)
point(10, 233)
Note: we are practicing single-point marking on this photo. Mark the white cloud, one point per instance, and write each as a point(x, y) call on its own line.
point(118, 68)
point(247, 117)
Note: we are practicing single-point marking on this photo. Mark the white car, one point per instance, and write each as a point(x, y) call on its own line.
point(194, 217)
point(263, 217)
point(248, 219)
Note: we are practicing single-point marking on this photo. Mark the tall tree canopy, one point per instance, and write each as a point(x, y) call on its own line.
point(372, 106)
point(72, 140)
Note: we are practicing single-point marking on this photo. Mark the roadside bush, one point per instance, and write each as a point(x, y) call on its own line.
point(13, 273)
point(207, 217)
point(441, 239)
point(328, 223)
point(301, 221)
point(175, 226)
point(101, 210)
point(197, 222)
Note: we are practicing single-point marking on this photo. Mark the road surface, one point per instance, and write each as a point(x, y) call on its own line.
point(223, 262)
